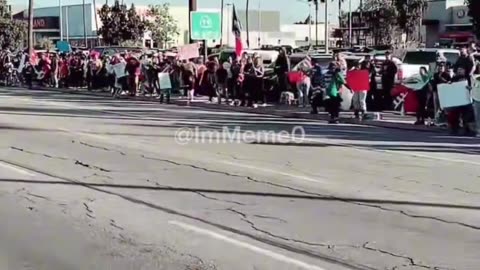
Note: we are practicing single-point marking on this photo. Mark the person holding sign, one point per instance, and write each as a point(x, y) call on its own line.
point(359, 81)
point(464, 112)
point(422, 96)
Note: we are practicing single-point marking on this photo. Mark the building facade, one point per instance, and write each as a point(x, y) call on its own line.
point(447, 23)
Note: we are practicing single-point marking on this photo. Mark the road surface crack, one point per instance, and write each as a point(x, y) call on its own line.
point(269, 217)
point(307, 192)
point(466, 191)
point(78, 162)
point(38, 154)
point(231, 175)
point(410, 260)
point(113, 224)
point(98, 175)
point(101, 148)
point(38, 196)
point(403, 212)
point(244, 217)
point(220, 200)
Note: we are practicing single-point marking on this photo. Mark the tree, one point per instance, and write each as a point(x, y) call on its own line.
point(409, 15)
point(120, 24)
point(13, 33)
point(380, 17)
point(474, 13)
point(162, 24)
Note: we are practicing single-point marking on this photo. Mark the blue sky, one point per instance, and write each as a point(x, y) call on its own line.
point(290, 10)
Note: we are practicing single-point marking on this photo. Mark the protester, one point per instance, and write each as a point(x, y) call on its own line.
point(282, 67)
point(222, 79)
point(333, 99)
point(441, 76)
point(389, 70)
point(463, 114)
point(188, 76)
point(359, 99)
point(422, 97)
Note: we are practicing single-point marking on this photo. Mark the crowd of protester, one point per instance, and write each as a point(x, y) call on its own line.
point(240, 81)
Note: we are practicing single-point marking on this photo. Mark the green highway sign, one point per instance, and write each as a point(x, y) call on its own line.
point(205, 25)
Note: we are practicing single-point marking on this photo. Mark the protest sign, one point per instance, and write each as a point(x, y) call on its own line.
point(164, 80)
point(347, 97)
point(454, 94)
point(188, 51)
point(358, 80)
point(476, 89)
point(119, 70)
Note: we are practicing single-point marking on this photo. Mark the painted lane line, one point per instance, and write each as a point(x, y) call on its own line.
point(15, 168)
point(259, 250)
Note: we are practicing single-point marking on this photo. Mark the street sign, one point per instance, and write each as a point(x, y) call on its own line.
point(205, 25)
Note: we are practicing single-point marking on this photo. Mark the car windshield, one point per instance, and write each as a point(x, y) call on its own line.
point(420, 58)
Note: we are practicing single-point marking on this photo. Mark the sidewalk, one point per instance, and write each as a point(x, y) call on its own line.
point(391, 120)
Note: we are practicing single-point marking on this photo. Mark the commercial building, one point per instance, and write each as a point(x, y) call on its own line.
point(80, 22)
point(447, 23)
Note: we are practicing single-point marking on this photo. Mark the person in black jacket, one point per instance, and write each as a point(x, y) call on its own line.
point(389, 70)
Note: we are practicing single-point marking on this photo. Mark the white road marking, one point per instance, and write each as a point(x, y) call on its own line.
point(259, 250)
point(15, 168)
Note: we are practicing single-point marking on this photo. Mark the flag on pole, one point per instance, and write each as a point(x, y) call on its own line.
point(237, 32)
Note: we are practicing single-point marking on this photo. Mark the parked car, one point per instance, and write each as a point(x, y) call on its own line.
point(111, 50)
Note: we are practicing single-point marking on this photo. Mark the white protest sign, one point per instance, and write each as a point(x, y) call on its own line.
point(347, 97)
point(22, 63)
point(188, 51)
point(454, 94)
point(119, 70)
point(476, 89)
point(164, 80)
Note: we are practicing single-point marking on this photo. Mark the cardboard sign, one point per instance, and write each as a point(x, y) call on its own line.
point(476, 89)
point(164, 80)
point(347, 97)
point(359, 80)
point(119, 70)
point(188, 51)
point(454, 94)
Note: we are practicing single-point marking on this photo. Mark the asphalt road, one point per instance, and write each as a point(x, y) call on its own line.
point(95, 183)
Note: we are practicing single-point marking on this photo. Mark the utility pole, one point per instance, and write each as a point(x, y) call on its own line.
point(246, 15)
point(327, 34)
point(30, 29)
point(221, 22)
point(309, 23)
point(96, 20)
point(350, 41)
point(192, 6)
point(316, 22)
point(84, 25)
point(60, 16)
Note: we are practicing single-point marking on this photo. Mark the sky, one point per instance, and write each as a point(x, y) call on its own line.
point(290, 10)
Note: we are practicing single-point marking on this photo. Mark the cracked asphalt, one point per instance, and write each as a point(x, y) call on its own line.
point(95, 183)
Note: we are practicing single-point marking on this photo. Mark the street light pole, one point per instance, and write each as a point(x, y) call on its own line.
point(327, 34)
point(221, 21)
point(60, 16)
point(246, 15)
point(192, 6)
point(30, 28)
point(84, 25)
point(350, 23)
point(316, 22)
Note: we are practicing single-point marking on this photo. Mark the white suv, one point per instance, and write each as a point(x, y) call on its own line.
point(416, 58)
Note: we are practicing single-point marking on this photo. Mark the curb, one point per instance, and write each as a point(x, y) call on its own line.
point(344, 120)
